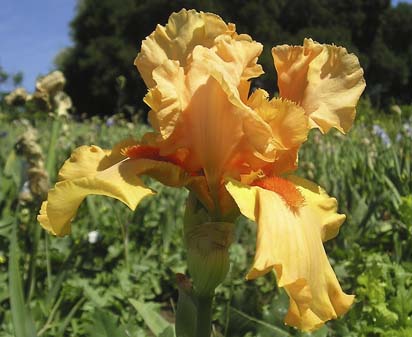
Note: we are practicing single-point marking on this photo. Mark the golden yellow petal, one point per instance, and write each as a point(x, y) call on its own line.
point(208, 118)
point(321, 204)
point(175, 41)
point(325, 80)
point(168, 98)
point(240, 53)
point(180, 100)
point(84, 161)
point(87, 160)
point(287, 120)
point(118, 181)
point(230, 76)
point(290, 243)
point(194, 109)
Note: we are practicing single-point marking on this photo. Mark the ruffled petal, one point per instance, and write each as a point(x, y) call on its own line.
point(168, 98)
point(195, 108)
point(287, 120)
point(325, 80)
point(195, 99)
point(289, 241)
point(118, 181)
point(96, 176)
point(175, 41)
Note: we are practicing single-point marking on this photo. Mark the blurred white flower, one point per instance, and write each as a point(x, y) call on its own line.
point(93, 236)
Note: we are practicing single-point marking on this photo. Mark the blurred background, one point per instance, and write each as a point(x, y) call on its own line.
point(115, 274)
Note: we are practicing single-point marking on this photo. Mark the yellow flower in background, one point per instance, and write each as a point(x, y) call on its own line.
point(233, 149)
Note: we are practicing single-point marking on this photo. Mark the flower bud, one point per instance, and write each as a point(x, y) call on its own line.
point(207, 245)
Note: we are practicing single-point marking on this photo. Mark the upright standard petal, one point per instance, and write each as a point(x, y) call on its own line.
point(175, 41)
point(194, 108)
point(325, 80)
point(291, 223)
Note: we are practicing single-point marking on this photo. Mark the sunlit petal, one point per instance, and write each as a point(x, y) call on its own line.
point(325, 80)
point(118, 181)
point(87, 160)
point(168, 98)
point(88, 171)
point(289, 241)
point(175, 41)
point(194, 109)
point(287, 120)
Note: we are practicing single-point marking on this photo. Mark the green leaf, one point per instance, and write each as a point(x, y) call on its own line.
point(69, 317)
point(168, 332)
point(186, 313)
point(104, 325)
point(156, 323)
point(274, 330)
point(21, 316)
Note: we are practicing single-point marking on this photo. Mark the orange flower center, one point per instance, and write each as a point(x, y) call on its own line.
point(284, 188)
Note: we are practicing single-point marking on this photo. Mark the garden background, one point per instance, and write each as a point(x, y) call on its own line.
point(115, 275)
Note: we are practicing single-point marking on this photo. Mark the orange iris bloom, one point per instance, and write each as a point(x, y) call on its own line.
point(234, 150)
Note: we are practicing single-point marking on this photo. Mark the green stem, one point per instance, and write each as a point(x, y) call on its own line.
point(204, 316)
point(48, 262)
point(125, 236)
point(51, 153)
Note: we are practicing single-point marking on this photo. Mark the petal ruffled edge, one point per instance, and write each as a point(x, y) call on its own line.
point(101, 173)
point(287, 120)
point(325, 80)
point(118, 181)
point(175, 41)
point(290, 243)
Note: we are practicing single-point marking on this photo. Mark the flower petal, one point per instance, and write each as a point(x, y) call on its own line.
point(118, 181)
point(88, 160)
point(287, 120)
point(168, 98)
point(290, 243)
point(324, 79)
point(95, 175)
point(195, 108)
point(176, 40)
point(207, 120)
point(195, 99)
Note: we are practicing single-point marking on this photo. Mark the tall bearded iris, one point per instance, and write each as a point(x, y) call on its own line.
point(234, 150)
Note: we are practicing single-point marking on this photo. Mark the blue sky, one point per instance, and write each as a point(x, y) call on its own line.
point(32, 32)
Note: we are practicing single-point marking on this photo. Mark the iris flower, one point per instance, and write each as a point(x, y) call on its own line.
point(233, 149)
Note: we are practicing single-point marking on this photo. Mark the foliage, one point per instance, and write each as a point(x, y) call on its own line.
point(7, 79)
point(121, 280)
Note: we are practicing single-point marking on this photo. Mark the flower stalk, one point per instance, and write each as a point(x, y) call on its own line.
point(204, 316)
point(207, 246)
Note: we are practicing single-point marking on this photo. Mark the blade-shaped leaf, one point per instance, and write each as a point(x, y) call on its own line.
point(156, 323)
point(22, 321)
